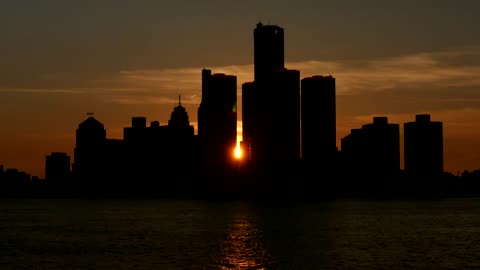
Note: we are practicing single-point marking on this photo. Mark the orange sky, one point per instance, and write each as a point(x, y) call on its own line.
point(50, 124)
point(123, 58)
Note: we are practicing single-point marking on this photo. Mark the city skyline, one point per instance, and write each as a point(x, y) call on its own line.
point(46, 94)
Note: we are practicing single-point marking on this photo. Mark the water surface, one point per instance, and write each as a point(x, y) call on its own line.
point(169, 234)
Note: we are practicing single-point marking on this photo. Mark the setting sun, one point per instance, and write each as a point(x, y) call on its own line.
point(237, 152)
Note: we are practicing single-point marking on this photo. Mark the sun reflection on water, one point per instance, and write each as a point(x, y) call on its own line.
point(243, 247)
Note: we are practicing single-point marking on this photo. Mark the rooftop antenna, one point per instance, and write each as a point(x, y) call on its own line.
point(179, 100)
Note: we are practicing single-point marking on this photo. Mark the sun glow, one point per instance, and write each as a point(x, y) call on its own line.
point(237, 152)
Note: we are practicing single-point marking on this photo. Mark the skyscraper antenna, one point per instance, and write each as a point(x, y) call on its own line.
point(179, 100)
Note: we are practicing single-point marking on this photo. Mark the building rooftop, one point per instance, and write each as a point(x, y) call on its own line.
point(90, 122)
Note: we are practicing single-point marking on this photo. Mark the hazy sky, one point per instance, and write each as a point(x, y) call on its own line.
point(60, 59)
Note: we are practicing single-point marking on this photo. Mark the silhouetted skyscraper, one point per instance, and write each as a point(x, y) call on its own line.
point(202, 115)
point(268, 49)
point(318, 122)
point(276, 125)
point(383, 145)
point(217, 117)
point(57, 167)
point(248, 118)
point(271, 103)
point(89, 159)
point(90, 133)
point(181, 146)
point(374, 149)
point(423, 147)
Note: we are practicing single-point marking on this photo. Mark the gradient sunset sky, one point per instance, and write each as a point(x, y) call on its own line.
point(61, 59)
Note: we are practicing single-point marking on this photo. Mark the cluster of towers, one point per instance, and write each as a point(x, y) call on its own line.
point(289, 122)
point(289, 125)
point(374, 149)
point(152, 155)
point(285, 118)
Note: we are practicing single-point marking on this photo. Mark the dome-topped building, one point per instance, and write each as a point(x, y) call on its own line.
point(179, 116)
point(179, 122)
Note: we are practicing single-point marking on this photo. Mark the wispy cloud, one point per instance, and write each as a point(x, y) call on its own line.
point(41, 91)
point(150, 99)
point(445, 76)
point(164, 86)
point(431, 80)
point(441, 69)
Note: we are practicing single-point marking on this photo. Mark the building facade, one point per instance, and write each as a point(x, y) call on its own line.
point(318, 124)
point(217, 117)
point(423, 146)
point(57, 167)
point(374, 149)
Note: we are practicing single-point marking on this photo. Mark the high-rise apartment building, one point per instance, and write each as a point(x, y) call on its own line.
point(423, 146)
point(375, 148)
point(217, 116)
point(318, 124)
